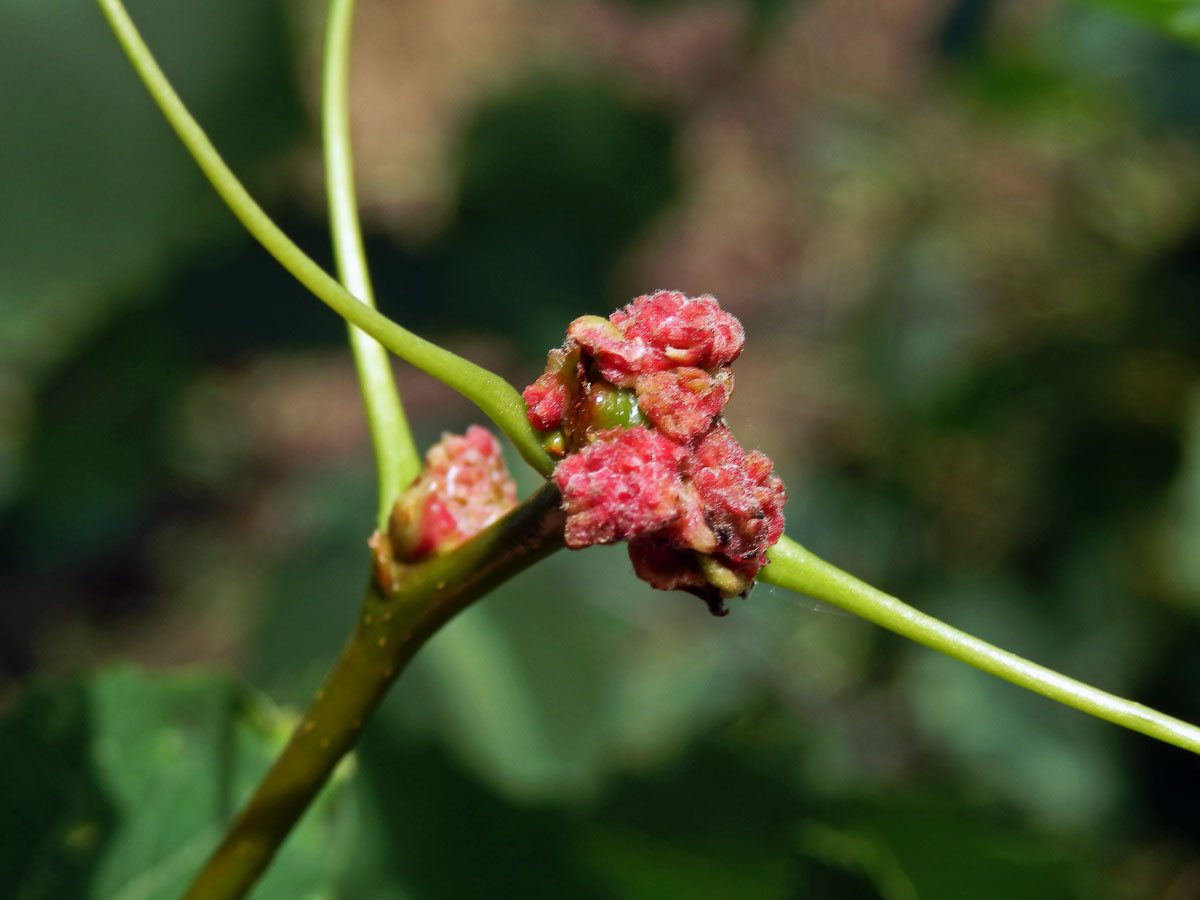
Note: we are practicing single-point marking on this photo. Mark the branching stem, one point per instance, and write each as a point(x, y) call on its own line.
point(794, 567)
point(396, 456)
point(498, 400)
point(389, 632)
point(391, 629)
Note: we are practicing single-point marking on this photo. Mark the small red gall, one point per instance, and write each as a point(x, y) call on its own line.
point(463, 488)
point(743, 500)
point(683, 402)
point(620, 359)
point(620, 486)
point(547, 398)
point(690, 331)
point(545, 401)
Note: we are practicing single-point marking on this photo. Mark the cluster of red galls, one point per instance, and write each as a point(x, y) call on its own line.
point(632, 404)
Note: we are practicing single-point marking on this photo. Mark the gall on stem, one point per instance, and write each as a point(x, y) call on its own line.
point(463, 488)
point(631, 405)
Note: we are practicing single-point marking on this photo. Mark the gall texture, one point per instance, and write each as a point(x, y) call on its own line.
point(463, 488)
point(632, 406)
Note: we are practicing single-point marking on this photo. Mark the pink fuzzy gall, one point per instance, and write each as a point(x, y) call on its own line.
point(691, 331)
point(625, 484)
point(620, 359)
point(463, 488)
point(684, 401)
point(546, 401)
point(743, 501)
point(633, 403)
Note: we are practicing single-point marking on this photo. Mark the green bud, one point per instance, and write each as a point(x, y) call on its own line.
point(724, 579)
point(612, 407)
point(554, 442)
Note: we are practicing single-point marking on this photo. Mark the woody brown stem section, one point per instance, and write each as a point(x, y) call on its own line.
point(389, 631)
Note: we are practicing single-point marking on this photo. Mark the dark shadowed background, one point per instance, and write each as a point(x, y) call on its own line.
point(964, 239)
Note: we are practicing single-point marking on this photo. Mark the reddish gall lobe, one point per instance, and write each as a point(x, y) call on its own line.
point(683, 402)
point(546, 401)
point(619, 486)
point(664, 566)
point(463, 488)
point(619, 359)
point(743, 501)
point(691, 331)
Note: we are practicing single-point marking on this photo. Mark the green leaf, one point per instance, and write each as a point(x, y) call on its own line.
point(98, 195)
point(546, 695)
point(122, 784)
point(1178, 18)
point(941, 849)
point(98, 188)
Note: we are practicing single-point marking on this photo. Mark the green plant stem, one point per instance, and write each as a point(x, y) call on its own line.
point(389, 632)
point(396, 456)
point(796, 568)
point(498, 400)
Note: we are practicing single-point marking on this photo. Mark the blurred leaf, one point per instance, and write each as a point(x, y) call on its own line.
point(644, 867)
point(710, 825)
point(1010, 742)
point(858, 853)
point(122, 784)
point(436, 829)
point(97, 457)
point(316, 589)
point(97, 186)
point(97, 190)
point(570, 671)
point(1181, 531)
point(942, 850)
point(488, 701)
point(1178, 18)
point(558, 177)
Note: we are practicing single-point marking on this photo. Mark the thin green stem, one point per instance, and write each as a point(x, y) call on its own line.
point(390, 630)
point(794, 567)
point(498, 400)
point(396, 456)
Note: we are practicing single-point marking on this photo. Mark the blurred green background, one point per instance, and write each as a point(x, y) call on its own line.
point(964, 238)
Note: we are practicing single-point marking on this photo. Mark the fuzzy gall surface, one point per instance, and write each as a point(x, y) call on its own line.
point(683, 402)
point(624, 484)
point(690, 331)
point(463, 488)
point(632, 406)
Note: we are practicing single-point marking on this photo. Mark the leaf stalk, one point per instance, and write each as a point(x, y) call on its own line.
point(389, 632)
point(794, 567)
point(498, 400)
point(396, 457)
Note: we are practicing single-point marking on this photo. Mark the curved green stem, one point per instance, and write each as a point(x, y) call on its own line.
point(389, 632)
point(794, 567)
point(396, 456)
point(498, 400)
